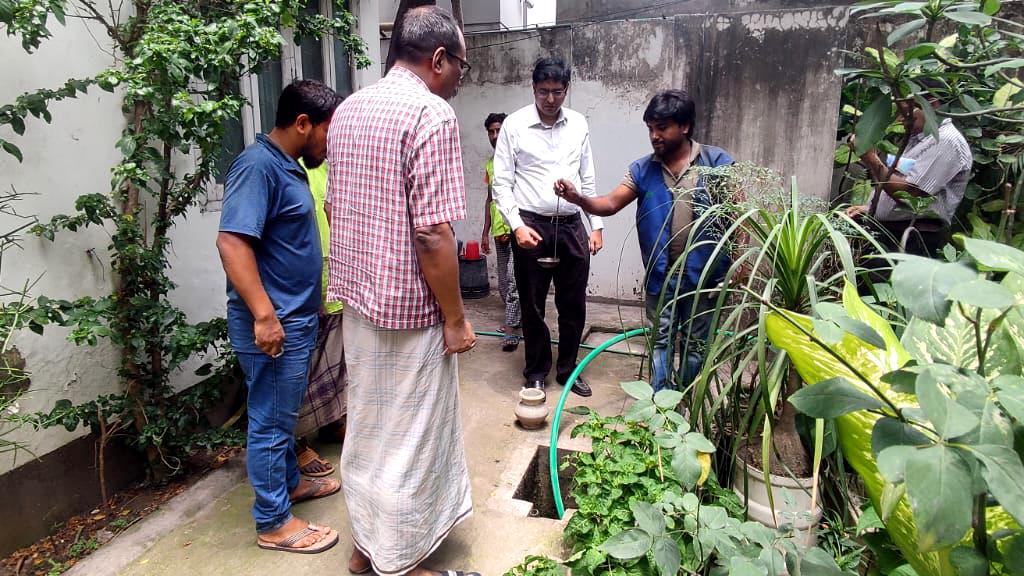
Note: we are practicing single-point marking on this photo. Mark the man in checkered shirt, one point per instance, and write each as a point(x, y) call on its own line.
point(395, 185)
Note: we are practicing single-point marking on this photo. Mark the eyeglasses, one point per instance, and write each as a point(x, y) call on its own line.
point(544, 93)
point(464, 67)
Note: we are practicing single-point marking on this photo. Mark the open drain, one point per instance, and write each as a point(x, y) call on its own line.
point(535, 485)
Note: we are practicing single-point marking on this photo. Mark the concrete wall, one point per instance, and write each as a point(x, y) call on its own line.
point(764, 86)
point(589, 10)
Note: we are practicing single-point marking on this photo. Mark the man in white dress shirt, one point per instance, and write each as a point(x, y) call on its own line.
point(538, 145)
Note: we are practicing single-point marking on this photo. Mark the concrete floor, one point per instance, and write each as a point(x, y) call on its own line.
point(220, 540)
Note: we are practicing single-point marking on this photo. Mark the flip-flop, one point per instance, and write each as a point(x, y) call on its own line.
point(331, 485)
point(309, 457)
point(510, 342)
point(287, 543)
point(458, 573)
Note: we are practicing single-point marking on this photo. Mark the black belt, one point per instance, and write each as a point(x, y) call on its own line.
point(552, 219)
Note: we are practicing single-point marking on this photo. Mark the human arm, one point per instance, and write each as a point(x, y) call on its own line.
point(436, 252)
point(485, 244)
point(607, 205)
point(239, 261)
point(504, 180)
point(437, 197)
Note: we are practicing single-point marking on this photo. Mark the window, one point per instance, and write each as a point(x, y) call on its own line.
point(325, 60)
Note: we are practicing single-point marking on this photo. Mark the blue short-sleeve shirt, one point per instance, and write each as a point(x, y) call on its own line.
point(267, 198)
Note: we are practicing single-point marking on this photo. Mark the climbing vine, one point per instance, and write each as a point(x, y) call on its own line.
point(177, 67)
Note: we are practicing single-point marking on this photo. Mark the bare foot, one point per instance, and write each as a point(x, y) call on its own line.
point(293, 526)
point(358, 563)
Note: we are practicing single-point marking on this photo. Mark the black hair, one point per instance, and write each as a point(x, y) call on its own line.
point(674, 105)
point(495, 117)
point(309, 97)
point(551, 68)
point(424, 30)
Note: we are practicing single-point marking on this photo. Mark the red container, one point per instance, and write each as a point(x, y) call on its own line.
point(472, 251)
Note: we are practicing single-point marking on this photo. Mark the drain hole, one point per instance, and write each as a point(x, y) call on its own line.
point(535, 486)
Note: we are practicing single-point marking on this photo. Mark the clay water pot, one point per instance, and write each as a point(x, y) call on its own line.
point(531, 411)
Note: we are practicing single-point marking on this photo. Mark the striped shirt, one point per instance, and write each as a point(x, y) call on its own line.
point(941, 169)
point(395, 164)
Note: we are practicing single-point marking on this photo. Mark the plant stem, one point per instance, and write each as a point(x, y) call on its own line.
point(980, 536)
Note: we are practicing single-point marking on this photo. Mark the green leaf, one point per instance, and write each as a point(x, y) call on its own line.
point(922, 285)
point(995, 428)
point(628, 544)
point(1002, 96)
point(861, 330)
point(1013, 554)
point(832, 398)
point(869, 521)
point(968, 562)
point(11, 149)
point(949, 418)
point(638, 389)
point(871, 126)
point(817, 562)
point(698, 442)
point(740, 566)
point(1010, 393)
point(1002, 470)
point(666, 556)
point(641, 410)
point(668, 399)
point(903, 570)
point(982, 293)
point(650, 519)
point(891, 495)
point(1008, 64)
point(686, 466)
point(970, 18)
point(905, 30)
point(902, 381)
point(939, 489)
point(920, 50)
point(931, 128)
point(892, 462)
point(990, 7)
point(995, 256)
point(579, 410)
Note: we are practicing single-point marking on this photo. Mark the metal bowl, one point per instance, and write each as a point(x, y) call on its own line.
point(548, 262)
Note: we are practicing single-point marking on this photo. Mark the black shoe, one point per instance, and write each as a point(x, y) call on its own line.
point(581, 388)
point(538, 384)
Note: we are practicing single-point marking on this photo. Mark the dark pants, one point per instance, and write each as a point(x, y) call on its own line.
point(926, 239)
point(570, 277)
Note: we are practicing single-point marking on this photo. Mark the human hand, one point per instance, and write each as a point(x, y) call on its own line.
point(269, 335)
point(527, 237)
point(485, 244)
point(596, 242)
point(567, 190)
point(856, 210)
point(458, 336)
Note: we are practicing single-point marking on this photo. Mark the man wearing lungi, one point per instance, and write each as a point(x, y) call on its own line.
point(395, 186)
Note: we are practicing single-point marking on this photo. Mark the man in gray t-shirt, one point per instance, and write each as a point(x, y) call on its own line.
point(936, 166)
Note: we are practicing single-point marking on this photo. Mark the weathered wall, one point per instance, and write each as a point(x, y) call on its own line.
point(589, 10)
point(764, 86)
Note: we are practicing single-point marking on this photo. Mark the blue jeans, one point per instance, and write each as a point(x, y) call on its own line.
point(276, 388)
point(677, 317)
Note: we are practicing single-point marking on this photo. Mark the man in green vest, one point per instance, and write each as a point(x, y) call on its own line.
point(499, 228)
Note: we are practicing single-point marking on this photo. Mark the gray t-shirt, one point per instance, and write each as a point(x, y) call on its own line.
point(941, 169)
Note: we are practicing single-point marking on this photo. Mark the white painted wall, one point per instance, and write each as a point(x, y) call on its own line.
point(63, 160)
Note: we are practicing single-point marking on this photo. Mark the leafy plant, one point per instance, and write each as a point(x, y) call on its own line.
point(177, 66)
point(942, 407)
point(975, 64)
point(536, 566)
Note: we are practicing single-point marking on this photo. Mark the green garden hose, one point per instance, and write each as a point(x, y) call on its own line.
point(553, 455)
point(583, 346)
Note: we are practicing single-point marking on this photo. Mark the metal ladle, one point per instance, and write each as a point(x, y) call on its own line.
point(552, 261)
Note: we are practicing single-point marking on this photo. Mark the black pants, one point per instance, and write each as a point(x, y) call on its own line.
point(927, 239)
point(570, 277)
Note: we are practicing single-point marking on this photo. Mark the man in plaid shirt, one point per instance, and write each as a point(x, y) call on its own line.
point(395, 185)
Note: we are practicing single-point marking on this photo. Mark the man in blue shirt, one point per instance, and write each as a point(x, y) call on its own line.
point(270, 249)
point(670, 220)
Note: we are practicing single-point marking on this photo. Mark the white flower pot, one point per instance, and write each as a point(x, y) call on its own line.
point(792, 510)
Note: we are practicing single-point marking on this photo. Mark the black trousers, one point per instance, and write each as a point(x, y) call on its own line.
point(570, 278)
point(927, 239)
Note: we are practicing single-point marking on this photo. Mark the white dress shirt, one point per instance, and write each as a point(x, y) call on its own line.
point(530, 156)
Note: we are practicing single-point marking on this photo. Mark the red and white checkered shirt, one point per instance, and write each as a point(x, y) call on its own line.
point(395, 164)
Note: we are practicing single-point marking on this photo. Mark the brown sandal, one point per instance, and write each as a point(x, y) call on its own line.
point(309, 458)
point(318, 488)
point(287, 544)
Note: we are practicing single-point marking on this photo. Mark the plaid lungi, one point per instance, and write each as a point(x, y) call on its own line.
point(325, 397)
point(404, 465)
